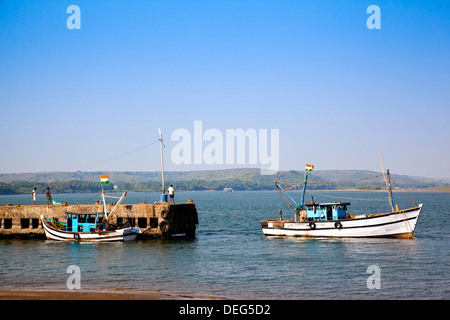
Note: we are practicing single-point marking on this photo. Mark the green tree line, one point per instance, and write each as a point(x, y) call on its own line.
point(78, 186)
point(21, 187)
point(239, 180)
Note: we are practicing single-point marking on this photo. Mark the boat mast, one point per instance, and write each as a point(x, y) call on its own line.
point(387, 180)
point(391, 198)
point(104, 201)
point(304, 187)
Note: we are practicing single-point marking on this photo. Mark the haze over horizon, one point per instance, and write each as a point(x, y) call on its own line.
point(92, 99)
point(116, 176)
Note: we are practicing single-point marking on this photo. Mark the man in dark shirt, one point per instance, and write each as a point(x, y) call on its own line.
point(49, 196)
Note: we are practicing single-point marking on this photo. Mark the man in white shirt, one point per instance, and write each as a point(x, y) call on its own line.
point(171, 192)
point(33, 194)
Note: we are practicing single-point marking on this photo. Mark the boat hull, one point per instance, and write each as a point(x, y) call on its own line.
point(126, 234)
point(395, 224)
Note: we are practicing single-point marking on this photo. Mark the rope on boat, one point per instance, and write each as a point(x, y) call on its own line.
point(406, 224)
point(112, 197)
point(115, 157)
point(332, 182)
point(324, 195)
point(404, 193)
point(282, 193)
point(346, 181)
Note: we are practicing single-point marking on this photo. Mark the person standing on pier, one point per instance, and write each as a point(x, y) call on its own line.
point(49, 196)
point(33, 194)
point(171, 192)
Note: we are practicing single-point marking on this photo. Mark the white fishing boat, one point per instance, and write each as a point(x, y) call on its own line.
point(332, 220)
point(55, 230)
point(400, 224)
point(94, 227)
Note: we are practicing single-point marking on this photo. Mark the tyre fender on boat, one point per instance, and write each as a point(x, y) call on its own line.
point(312, 225)
point(338, 225)
point(76, 236)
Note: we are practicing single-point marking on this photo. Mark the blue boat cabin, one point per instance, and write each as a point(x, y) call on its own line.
point(77, 222)
point(325, 211)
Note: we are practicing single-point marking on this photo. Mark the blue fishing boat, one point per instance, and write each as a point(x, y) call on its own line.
point(86, 227)
point(93, 227)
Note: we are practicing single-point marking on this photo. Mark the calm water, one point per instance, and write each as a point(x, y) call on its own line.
point(231, 258)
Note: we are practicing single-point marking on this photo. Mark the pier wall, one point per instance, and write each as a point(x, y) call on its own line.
point(19, 221)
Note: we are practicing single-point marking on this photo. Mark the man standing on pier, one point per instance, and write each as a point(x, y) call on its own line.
point(171, 192)
point(33, 194)
point(49, 196)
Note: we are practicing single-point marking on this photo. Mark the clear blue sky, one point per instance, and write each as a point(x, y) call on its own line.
point(337, 91)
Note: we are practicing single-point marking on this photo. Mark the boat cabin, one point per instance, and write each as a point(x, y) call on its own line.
point(77, 222)
point(325, 211)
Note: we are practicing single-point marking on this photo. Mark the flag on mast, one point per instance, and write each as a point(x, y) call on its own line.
point(104, 179)
point(309, 167)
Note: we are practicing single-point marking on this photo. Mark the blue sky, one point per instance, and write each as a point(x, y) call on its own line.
point(90, 99)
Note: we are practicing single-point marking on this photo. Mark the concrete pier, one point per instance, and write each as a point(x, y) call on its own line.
point(155, 220)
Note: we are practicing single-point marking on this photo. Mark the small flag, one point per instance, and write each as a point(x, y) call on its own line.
point(104, 179)
point(309, 167)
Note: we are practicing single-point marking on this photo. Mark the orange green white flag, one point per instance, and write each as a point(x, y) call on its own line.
point(104, 179)
point(309, 167)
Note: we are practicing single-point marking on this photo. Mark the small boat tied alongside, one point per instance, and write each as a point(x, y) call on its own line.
point(86, 227)
point(90, 227)
point(313, 219)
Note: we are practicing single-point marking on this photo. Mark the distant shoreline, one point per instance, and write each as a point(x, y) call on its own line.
point(445, 190)
point(334, 190)
point(395, 191)
point(242, 179)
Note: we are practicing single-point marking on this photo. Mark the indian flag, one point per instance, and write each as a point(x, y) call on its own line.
point(309, 167)
point(104, 179)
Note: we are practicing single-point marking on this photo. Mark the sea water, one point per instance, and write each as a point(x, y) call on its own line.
point(231, 258)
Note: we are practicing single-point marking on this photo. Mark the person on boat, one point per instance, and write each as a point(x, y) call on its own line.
point(49, 196)
point(171, 192)
point(33, 194)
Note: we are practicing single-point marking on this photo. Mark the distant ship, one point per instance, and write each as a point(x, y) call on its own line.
point(228, 190)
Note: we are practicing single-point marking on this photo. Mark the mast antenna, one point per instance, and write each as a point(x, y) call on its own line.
point(162, 161)
point(387, 180)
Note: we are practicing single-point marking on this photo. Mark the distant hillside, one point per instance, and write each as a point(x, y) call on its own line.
point(238, 179)
point(132, 176)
